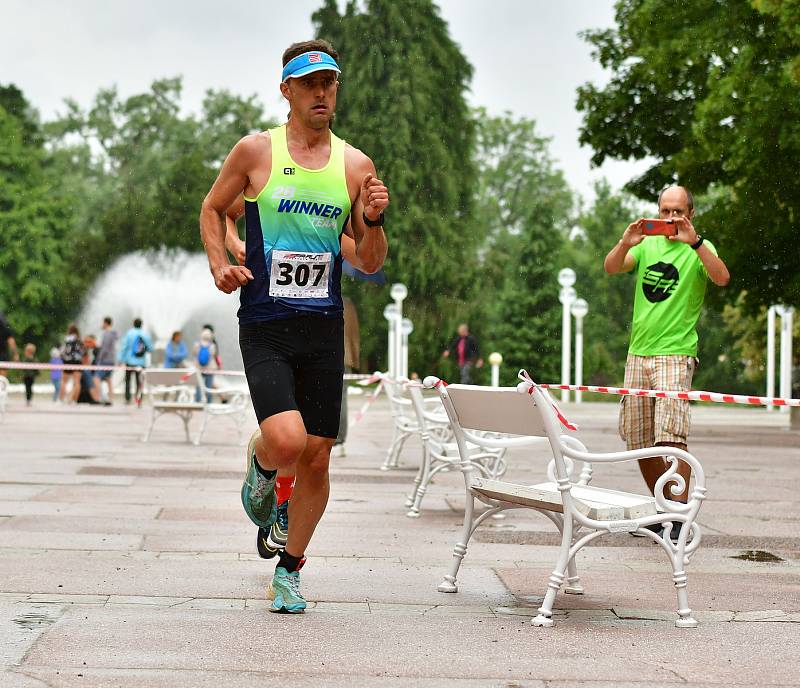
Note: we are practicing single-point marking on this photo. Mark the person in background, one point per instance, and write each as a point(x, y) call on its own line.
point(176, 352)
point(106, 355)
point(8, 345)
point(217, 358)
point(29, 375)
point(72, 354)
point(56, 373)
point(465, 352)
point(205, 358)
point(133, 353)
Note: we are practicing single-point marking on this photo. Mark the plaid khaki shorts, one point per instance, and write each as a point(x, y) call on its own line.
point(643, 421)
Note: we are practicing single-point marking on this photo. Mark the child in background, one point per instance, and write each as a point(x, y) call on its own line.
point(28, 376)
point(55, 374)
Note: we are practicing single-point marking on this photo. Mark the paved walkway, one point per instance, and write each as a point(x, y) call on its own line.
point(130, 564)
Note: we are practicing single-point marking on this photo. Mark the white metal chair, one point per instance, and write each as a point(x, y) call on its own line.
point(440, 453)
point(405, 423)
point(172, 391)
point(581, 513)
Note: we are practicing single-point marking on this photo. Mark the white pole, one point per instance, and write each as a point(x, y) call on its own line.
point(579, 309)
point(407, 328)
point(566, 278)
point(495, 359)
point(579, 358)
point(398, 292)
point(771, 355)
point(392, 339)
point(787, 317)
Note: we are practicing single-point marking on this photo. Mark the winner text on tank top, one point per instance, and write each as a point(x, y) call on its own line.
point(293, 245)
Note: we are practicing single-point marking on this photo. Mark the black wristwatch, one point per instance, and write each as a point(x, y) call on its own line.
point(372, 223)
point(697, 244)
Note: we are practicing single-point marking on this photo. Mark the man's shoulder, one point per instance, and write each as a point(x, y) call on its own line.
point(356, 159)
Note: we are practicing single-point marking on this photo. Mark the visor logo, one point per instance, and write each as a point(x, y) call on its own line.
point(314, 57)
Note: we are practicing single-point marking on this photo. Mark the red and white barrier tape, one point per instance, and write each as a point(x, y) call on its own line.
point(365, 407)
point(716, 397)
point(73, 367)
point(524, 376)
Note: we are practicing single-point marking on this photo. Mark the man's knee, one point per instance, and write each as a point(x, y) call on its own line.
point(284, 448)
point(316, 460)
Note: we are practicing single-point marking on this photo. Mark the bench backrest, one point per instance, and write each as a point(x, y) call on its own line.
point(496, 409)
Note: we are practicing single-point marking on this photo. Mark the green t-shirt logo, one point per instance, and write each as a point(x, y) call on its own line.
point(659, 281)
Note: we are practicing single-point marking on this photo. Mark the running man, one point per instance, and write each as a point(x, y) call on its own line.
point(303, 187)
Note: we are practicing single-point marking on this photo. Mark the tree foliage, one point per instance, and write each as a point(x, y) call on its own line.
point(523, 206)
point(37, 275)
point(711, 90)
point(144, 167)
point(402, 101)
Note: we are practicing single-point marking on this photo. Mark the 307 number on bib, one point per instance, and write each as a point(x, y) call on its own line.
point(295, 275)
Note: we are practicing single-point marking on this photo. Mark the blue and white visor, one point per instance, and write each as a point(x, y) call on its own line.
point(312, 61)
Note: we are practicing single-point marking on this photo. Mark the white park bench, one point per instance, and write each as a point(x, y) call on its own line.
point(579, 512)
point(171, 391)
point(440, 452)
point(404, 422)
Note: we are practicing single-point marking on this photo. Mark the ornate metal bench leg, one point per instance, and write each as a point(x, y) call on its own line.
point(545, 616)
point(686, 619)
point(449, 583)
point(573, 586)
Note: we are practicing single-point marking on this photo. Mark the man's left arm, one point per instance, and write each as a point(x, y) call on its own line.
point(715, 267)
point(371, 200)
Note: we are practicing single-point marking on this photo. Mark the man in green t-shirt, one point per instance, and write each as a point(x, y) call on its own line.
point(671, 274)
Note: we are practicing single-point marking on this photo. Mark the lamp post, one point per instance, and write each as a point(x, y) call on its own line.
point(566, 278)
point(787, 321)
point(495, 360)
point(390, 313)
point(398, 293)
point(406, 327)
point(771, 354)
point(579, 309)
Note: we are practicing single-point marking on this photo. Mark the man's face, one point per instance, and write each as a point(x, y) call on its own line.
point(463, 330)
point(674, 203)
point(312, 97)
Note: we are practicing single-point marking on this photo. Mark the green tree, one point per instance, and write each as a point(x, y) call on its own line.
point(143, 167)
point(38, 278)
point(402, 101)
point(712, 92)
point(524, 208)
point(610, 297)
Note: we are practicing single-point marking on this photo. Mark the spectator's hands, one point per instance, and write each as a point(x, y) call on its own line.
point(686, 232)
point(634, 234)
point(374, 197)
point(479, 363)
point(229, 278)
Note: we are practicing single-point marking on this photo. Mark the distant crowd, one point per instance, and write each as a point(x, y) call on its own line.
point(134, 351)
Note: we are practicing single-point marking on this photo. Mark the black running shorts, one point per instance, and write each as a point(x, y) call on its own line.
point(296, 364)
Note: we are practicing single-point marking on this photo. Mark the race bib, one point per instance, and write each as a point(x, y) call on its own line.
point(295, 275)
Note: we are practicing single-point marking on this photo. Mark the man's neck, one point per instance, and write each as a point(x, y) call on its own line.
point(306, 137)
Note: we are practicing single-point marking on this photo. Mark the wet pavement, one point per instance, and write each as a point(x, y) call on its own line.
point(131, 564)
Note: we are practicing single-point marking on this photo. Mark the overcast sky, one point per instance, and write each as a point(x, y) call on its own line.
point(526, 55)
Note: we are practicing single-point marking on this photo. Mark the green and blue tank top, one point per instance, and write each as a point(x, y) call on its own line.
point(293, 232)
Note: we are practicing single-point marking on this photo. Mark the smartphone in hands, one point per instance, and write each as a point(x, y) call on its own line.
point(659, 228)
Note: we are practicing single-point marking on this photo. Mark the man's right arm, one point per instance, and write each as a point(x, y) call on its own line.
point(619, 258)
point(231, 182)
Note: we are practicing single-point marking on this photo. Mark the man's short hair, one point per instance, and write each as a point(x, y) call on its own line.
point(689, 197)
point(318, 44)
point(107, 320)
point(137, 322)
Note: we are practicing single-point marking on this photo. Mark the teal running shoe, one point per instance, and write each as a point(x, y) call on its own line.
point(258, 493)
point(280, 529)
point(284, 591)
